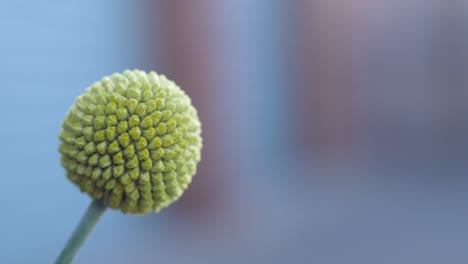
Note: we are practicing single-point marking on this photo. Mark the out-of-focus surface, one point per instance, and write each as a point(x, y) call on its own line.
point(335, 131)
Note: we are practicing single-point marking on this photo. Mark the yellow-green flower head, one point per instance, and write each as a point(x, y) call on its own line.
point(132, 140)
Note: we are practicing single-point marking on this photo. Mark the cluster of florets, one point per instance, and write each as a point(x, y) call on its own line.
point(132, 140)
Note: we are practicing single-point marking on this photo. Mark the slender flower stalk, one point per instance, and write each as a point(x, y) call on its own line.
point(82, 231)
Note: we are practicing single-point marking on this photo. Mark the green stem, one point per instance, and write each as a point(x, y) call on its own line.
point(84, 228)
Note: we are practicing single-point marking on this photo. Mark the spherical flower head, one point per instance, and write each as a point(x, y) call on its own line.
point(132, 140)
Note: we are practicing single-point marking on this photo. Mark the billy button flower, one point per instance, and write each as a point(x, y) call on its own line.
point(132, 142)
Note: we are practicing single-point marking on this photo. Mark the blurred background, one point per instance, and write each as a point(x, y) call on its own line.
point(335, 131)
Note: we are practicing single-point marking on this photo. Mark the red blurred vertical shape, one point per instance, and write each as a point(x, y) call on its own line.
point(325, 73)
point(190, 37)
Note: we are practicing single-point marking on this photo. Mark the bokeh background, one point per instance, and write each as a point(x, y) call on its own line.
point(335, 131)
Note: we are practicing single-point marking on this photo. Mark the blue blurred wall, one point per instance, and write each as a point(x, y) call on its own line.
point(50, 51)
